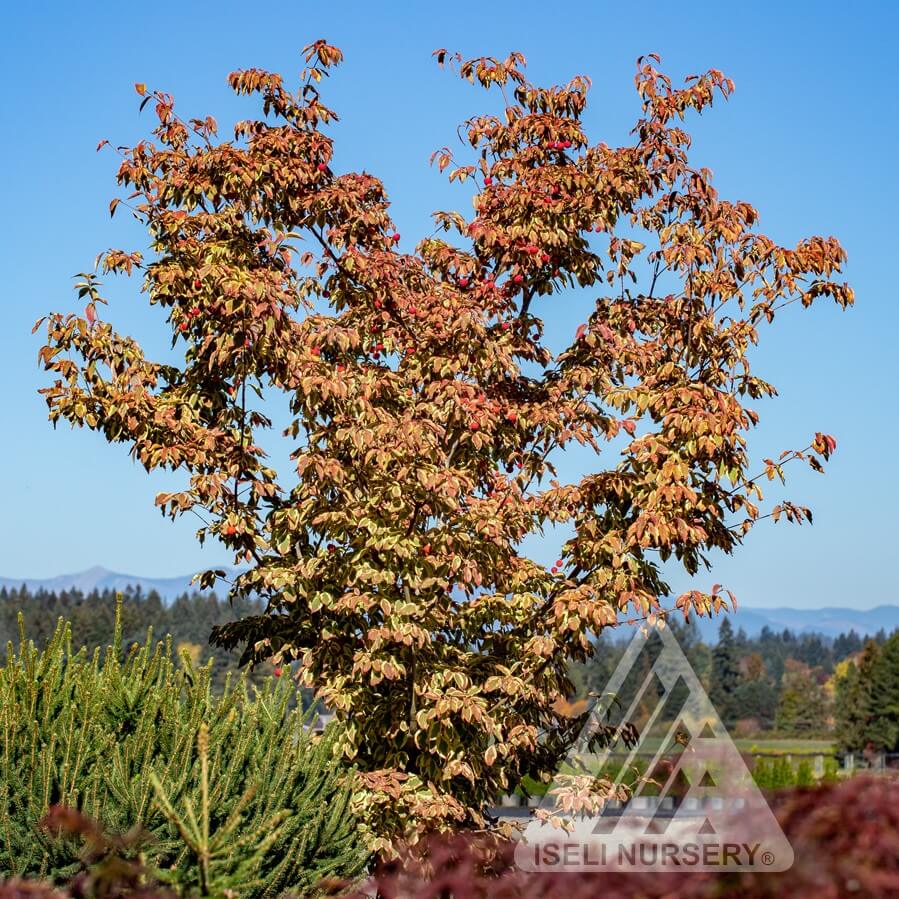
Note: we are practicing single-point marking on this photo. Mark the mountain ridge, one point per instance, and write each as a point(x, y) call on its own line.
point(829, 621)
point(99, 578)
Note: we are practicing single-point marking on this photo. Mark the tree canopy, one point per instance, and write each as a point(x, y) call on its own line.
point(428, 410)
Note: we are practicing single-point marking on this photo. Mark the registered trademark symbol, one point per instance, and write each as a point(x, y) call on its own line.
point(768, 858)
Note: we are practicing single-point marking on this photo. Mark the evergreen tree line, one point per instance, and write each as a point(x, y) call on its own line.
point(804, 685)
point(189, 619)
point(776, 682)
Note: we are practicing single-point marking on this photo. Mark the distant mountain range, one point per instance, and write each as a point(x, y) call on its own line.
point(827, 621)
point(830, 621)
point(98, 578)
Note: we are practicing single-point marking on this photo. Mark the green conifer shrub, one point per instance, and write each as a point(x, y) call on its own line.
point(782, 775)
point(805, 775)
point(831, 770)
point(761, 773)
point(118, 741)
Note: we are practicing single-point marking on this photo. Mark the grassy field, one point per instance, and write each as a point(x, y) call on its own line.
point(651, 745)
point(786, 745)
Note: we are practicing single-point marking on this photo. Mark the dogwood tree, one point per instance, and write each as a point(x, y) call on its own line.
point(427, 410)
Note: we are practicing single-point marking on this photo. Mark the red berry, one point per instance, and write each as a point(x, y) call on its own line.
point(195, 311)
point(505, 326)
point(326, 294)
point(463, 282)
point(377, 304)
point(554, 569)
point(518, 279)
point(559, 563)
point(488, 181)
point(230, 530)
point(277, 672)
point(531, 249)
point(512, 416)
point(544, 258)
point(395, 238)
point(426, 549)
point(566, 144)
point(315, 351)
point(339, 366)
point(322, 167)
point(198, 284)
point(412, 310)
point(183, 326)
point(332, 548)
point(474, 426)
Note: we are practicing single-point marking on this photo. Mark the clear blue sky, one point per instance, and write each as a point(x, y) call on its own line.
point(810, 137)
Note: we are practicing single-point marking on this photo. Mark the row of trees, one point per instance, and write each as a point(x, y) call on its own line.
point(775, 681)
point(794, 684)
point(189, 620)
